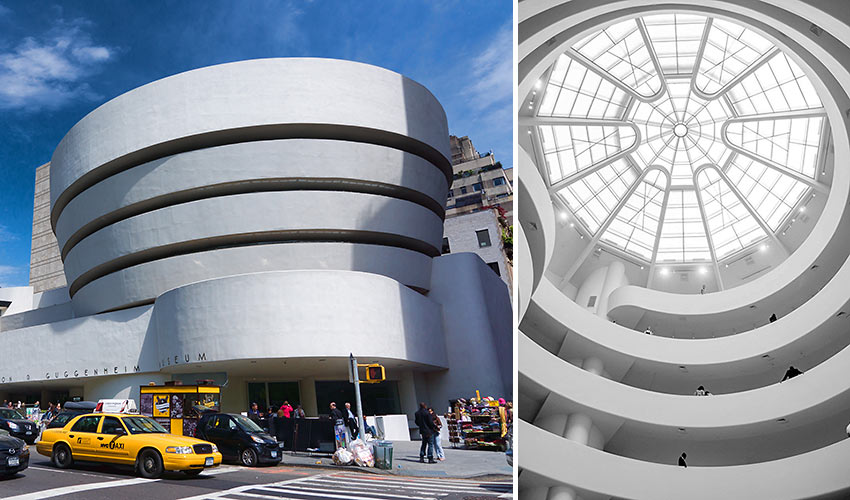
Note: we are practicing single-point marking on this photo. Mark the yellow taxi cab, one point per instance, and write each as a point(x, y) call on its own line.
point(129, 440)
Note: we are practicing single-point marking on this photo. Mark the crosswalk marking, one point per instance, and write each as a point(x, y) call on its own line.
point(67, 490)
point(323, 492)
point(343, 486)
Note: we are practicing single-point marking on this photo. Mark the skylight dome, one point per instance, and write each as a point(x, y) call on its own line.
point(680, 138)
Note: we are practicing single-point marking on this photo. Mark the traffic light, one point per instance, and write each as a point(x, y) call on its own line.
point(374, 374)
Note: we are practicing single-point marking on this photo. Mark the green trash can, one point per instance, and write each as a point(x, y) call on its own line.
point(384, 455)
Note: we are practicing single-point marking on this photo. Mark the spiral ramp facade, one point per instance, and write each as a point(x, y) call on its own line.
point(262, 219)
point(604, 410)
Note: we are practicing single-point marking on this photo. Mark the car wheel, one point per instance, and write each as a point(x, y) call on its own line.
point(150, 464)
point(248, 457)
point(193, 472)
point(62, 457)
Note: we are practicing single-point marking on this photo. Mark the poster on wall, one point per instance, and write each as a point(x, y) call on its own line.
point(176, 406)
point(146, 404)
point(161, 405)
point(189, 426)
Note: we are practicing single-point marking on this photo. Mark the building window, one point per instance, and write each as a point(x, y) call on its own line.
point(495, 267)
point(591, 301)
point(463, 190)
point(477, 186)
point(483, 238)
point(446, 248)
point(499, 181)
point(450, 193)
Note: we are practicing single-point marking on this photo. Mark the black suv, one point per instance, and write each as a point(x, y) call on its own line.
point(14, 456)
point(239, 438)
point(18, 426)
point(71, 410)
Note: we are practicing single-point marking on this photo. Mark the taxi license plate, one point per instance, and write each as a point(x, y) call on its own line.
point(274, 454)
point(208, 461)
point(14, 462)
point(29, 432)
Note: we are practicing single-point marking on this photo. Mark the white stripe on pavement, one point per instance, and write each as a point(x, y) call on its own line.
point(67, 490)
point(238, 490)
point(412, 485)
point(297, 489)
point(74, 472)
point(427, 481)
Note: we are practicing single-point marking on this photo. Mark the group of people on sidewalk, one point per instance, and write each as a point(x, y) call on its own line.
point(429, 430)
point(279, 422)
point(346, 428)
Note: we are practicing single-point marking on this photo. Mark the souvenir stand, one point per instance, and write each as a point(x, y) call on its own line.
point(477, 424)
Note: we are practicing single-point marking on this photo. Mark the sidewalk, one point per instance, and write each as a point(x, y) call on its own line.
point(459, 463)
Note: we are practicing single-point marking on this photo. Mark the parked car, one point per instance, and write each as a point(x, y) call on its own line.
point(14, 456)
point(127, 439)
point(239, 439)
point(18, 426)
point(71, 410)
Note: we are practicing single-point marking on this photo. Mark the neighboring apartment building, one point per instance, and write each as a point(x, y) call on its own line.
point(479, 181)
point(480, 208)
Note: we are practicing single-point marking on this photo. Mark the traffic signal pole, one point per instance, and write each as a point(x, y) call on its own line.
point(355, 376)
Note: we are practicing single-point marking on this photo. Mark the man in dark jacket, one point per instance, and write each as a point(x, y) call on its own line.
point(428, 431)
point(339, 426)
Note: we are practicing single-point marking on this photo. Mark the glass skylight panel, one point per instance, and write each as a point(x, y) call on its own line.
point(619, 50)
point(574, 91)
point(730, 49)
point(682, 233)
point(789, 142)
point(597, 166)
point(772, 194)
point(571, 148)
point(778, 85)
point(675, 38)
point(636, 225)
point(731, 224)
point(703, 121)
point(593, 197)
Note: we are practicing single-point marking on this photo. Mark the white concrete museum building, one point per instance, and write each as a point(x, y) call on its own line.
point(253, 223)
point(683, 207)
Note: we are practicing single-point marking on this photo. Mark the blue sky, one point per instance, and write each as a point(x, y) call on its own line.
point(59, 61)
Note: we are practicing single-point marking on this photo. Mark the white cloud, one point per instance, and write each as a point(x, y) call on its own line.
point(492, 72)
point(49, 71)
point(9, 275)
point(5, 235)
point(4, 10)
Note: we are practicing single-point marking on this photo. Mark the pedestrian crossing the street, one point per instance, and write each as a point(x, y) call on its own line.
point(344, 486)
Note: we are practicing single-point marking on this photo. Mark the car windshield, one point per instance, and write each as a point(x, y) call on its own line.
point(9, 413)
point(143, 425)
point(247, 424)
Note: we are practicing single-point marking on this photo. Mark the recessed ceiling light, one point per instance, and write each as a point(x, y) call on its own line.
point(763, 247)
point(563, 215)
point(572, 224)
point(703, 270)
point(802, 209)
point(665, 271)
point(538, 84)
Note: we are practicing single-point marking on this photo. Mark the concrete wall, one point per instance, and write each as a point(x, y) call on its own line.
point(461, 232)
point(371, 169)
point(477, 329)
point(46, 271)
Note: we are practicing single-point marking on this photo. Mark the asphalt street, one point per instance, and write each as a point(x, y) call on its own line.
point(87, 481)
